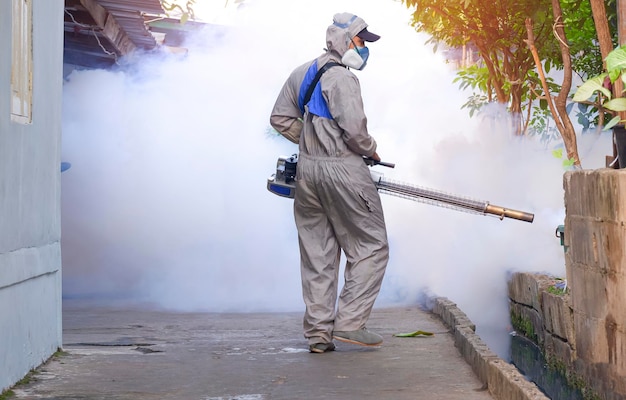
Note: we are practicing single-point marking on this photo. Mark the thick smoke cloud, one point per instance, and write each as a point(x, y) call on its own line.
point(165, 203)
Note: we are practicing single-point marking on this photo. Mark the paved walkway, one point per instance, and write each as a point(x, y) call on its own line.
point(137, 354)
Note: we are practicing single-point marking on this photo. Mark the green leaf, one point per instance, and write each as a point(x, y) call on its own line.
point(587, 89)
point(616, 60)
point(614, 74)
point(612, 123)
point(568, 163)
point(413, 334)
point(558, 153)
point(584, 121)
point(618, 104)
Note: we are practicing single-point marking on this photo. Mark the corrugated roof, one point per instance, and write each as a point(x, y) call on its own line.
point(129, 15)
point(99, 32)
point(145, 6)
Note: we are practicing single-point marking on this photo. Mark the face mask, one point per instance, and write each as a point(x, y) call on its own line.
point(356, 58)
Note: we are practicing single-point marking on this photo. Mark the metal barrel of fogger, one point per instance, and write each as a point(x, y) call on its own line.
point(442, 199)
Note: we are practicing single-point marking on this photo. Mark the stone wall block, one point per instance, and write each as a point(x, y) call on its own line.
point(573, 198)
point(616, 347)
point(611, 195)
point(506, 382)
point(616, 295)
point(502, 379)
point(588, 291)
point(599, 244)
point(598, 193)
point(528, 314)
point(575, 202)
point(558, 353)
point(591, 341)
point(558, 316)
point(451, 314)
point(601, 380)
point(595, 226)
point(583, 232)
point(618, 385)
point(610, 240)
point(525, 288)
point(474, 351)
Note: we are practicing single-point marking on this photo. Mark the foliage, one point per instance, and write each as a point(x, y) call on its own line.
point(523, 325)
point(505, 71)
point(541, 125)
point(185, 12)
point(7, 394)
point(29, 377)
point(585, 52)
point(541, 121)
point(475, 102)
point(497, 32)
point(567, 162)
point(413, 334)
point(272, 133)
point(598, 88)
point(587, 116)
point(475, 77)
point(456, 23)
point(581, 35)
point(556, 291)
point(10, 393)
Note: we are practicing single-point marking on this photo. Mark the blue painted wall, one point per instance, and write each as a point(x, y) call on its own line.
point(30, 194)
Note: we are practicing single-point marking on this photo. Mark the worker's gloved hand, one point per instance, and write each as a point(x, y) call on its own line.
point(372, 160)
point(375, 160)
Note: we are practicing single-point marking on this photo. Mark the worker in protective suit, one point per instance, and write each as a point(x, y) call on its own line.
point(336, 204)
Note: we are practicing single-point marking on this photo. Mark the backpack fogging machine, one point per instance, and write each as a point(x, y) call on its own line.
point(282, 183)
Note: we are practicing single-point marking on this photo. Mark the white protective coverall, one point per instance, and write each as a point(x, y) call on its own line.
point(336, 204)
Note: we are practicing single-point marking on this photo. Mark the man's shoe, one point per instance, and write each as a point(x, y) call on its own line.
point(321, 347)
point(362, 337)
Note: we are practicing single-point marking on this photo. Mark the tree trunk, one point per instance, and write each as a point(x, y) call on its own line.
point(558, 106)
point(602, 27)
point(568, 132)
point(621, 22)
point(604, 37)
point(606, 45)
point(497, 80)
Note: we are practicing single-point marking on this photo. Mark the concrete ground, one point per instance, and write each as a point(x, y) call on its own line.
point(121, 353)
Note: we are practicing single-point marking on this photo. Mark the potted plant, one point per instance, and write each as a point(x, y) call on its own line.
point(598, 92)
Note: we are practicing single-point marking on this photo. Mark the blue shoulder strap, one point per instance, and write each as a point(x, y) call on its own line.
point(311, 92)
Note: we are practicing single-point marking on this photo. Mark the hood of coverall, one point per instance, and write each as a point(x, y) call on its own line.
point(345, 26)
